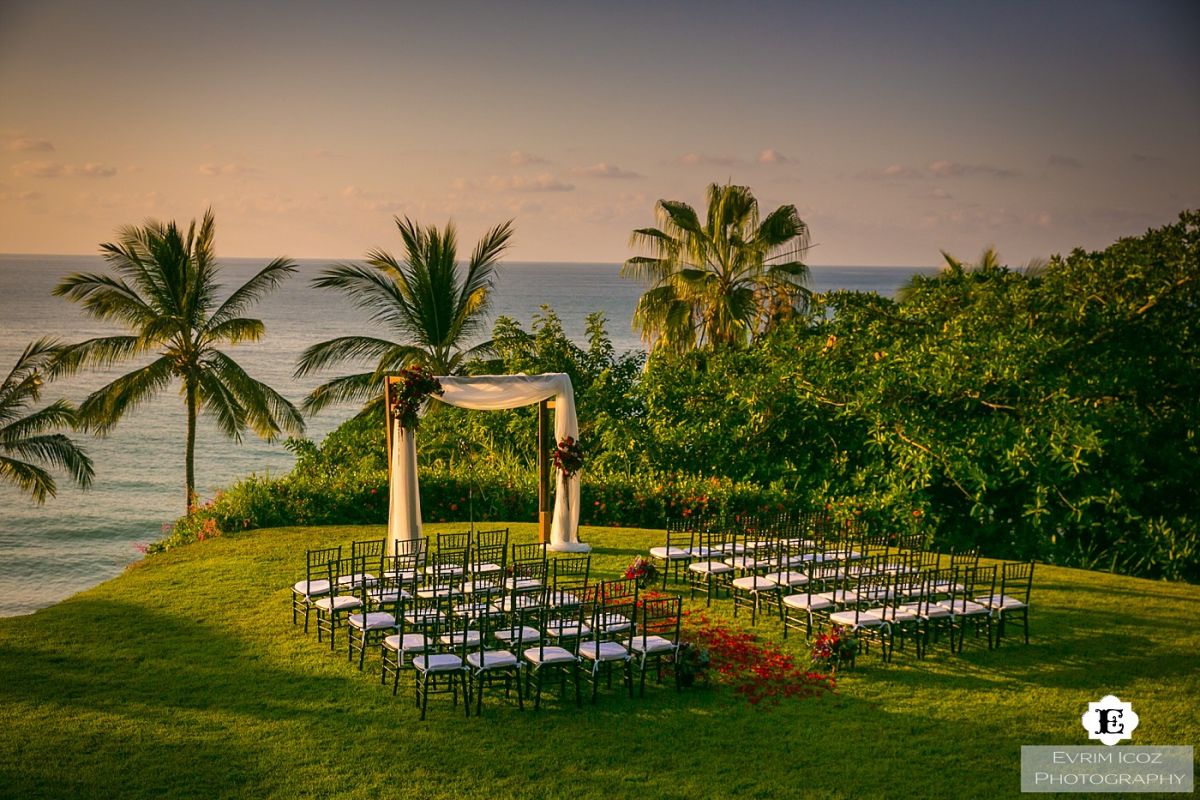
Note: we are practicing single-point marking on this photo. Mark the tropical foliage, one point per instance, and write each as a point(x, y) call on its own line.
point(720, 281)
point(28, 444)
point(165, 291)
point(1053, 416)
point(434, 312)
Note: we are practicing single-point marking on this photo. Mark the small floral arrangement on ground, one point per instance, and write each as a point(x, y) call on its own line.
point(568, 456)
point(642, 571)
point(837, 648)
point(691, 662)
point(415, 384)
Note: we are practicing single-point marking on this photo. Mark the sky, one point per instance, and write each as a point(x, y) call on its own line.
point(896, 129)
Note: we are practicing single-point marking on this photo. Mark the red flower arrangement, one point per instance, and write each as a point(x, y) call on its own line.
point(641, 570)
point(568, 456)
point(416, 384)
point(836, 648)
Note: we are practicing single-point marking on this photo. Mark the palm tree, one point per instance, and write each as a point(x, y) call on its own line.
point(988, 264)
point(431, 310)
point(25, 438)
point(165, 292)
point(722, 281)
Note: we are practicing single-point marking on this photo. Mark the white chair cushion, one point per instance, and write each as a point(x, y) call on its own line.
point(839, 596)
point(507, 605)
point(614, 623)
point(802, 602)
point(710, 567)
point(746, 562)
point(423, 617)
point(403, 575)
point(355, 580)
point(999, 601)
point(484, 569)
point(388, 595)
point(607, 651)
point(562, 598)
point(492, 659)
point(455, 639)
point(787, 578)
point(522, 584)
point(966, 609)
point(652, 644)
point(567, 630)
point(522, 635)
point(411, 642)
point(443, 590)
point(375, 621)
point(439, 662)
point(755, 583)
point(670, 553)
point(342, 602)
point(549, 655)
point(311, 588)
point(847, 618)
point(699, 552)
point(443, 569)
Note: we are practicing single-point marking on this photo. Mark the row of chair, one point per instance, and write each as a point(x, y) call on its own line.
point(462, 625)
point(812, 578)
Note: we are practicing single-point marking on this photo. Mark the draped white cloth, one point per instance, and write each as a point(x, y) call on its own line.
point(491, 393)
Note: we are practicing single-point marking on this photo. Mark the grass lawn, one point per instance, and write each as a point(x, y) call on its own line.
point(185, 678)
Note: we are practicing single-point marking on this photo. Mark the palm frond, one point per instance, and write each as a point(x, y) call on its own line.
point(234, 331)
point(60, 413)
point(347, 348)
point(250, 292)
point(105, 407)
point(29, 478)
point(56, 450)
point(267, 412)
point(358, 388)
point(103, 351)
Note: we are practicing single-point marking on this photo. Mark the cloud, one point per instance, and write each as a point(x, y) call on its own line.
point(953, 169)
point(519, 159)
point(604, 170)
point(702, 160)
point(38, 169)
point(1142, 158)
point(938, 169)
point(372, 201)
point(319, 153)
point(92, 170)
point(26, 143)
point(226, 170)
point(771, 156)
point(544, 182)
point(1066, 162)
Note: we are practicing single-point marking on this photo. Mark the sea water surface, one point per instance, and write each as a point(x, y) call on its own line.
point(81, 538)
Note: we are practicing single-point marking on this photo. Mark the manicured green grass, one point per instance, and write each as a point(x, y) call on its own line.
point(185, 678)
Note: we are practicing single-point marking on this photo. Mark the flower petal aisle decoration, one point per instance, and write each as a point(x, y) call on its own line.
point(759, 671)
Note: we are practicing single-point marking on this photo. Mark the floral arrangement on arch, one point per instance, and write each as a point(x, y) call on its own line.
point(568, 456)
point(414, 386)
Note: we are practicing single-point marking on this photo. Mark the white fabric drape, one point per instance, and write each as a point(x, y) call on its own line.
point(492, 393)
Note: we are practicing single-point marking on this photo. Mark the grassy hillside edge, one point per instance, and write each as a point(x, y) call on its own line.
point(184, 677)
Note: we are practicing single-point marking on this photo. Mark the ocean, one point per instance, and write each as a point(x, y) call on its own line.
point(81, 538)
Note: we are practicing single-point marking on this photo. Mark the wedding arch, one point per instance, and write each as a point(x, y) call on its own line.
point(552, 391)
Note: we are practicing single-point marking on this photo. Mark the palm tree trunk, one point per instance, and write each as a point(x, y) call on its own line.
point(190, 457)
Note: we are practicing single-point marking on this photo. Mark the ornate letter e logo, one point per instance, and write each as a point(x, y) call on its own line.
point(1110, 720)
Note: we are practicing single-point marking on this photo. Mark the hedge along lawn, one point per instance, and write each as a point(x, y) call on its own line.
point(185, 678)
